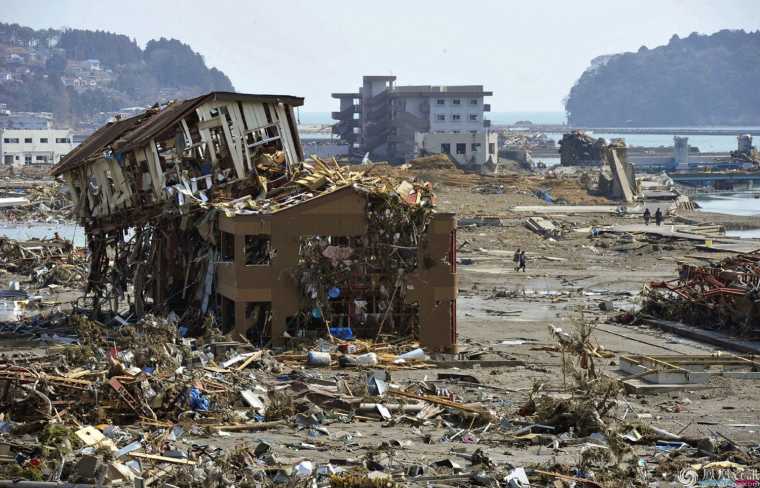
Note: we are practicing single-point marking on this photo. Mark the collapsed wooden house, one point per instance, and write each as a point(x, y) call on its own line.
point(206, 207)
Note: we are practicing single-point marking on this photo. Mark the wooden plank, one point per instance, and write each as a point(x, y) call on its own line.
point(208, 124)
point(161, 459)
point(708, 336)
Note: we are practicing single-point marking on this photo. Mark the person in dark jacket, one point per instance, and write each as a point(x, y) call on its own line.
point(658, 217)
point(516, 259)
point(521, 262)
point(647, 216)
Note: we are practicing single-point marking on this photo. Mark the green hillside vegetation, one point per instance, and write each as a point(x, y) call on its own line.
point(698, 80)
point(41, 71)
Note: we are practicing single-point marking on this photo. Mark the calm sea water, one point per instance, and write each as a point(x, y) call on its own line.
point(704, 143)
point(23, 232)
point(736, 203)
point(496, 117)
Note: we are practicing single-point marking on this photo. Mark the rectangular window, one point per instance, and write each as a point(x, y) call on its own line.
point(446, 148)
point(473, 117)
point(491, 148)
point(440, 101)
point(228, 247)
point(63, 140)
point(456, 117)
point(456, 101)
point(8, 159)
point(475, 146)
point(440, 117)
point(27, 140)
point(11, 140)
point(43, 140)
point(41, 159)
point(257, 250)
point(27, 160)
point(473, 101)
point(461, 148)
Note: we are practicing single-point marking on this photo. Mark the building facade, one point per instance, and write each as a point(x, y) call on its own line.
point(393, 122)
point(23, 147)
point(468, 148)
point(225, 212)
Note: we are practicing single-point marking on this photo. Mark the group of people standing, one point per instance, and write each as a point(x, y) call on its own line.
point(657, 216)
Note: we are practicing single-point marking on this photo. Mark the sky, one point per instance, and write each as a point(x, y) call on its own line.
point(529, 53)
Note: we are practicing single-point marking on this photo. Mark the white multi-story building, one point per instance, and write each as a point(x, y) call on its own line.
point(399, 122)
point(19, 147)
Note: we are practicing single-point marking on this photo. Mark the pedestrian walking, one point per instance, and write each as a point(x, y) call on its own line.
point(658, 217)
point(521, 262)
point(516, 259)
point(647, 216)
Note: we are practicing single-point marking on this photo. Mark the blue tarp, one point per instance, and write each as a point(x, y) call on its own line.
point(198, 401)
point(344, 333)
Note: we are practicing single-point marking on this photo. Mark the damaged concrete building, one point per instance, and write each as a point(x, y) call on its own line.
point(207, 208)
point(398, 123)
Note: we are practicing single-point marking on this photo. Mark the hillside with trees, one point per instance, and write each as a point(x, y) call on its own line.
point(76, 74)
point(698, 80)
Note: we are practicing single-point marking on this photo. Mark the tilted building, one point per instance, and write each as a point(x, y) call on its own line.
point(400, 122)
point(205, 207)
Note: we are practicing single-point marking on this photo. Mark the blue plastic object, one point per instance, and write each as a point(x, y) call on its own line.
point(344, 333)
point(333, 292)
point(198, 401)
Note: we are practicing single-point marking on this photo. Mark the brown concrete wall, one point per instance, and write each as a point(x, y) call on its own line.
point(341, 213)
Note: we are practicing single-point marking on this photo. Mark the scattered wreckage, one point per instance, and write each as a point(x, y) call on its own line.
point(724, 296)
point(206, 205)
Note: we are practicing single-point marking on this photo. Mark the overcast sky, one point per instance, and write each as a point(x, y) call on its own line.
point(529, 53)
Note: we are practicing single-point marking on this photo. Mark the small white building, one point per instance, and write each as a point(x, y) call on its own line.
point(20, 147)
point(468, 148)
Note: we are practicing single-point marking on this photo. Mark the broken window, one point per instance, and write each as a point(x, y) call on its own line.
point(456, 117)
point(440, 117)
point(227, 308)
point(258, 321)
point(475, 146)
point(446, 148)
point(27, 140)
point(258, 250)
point(227, 247)
point(473, 117)
point(461, 148)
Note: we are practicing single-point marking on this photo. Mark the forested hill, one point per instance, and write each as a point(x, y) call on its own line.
point(699, 80)
point(77, 73)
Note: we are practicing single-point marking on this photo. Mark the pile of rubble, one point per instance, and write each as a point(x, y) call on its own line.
point(580, 149)
point(44, 262)
point(139, 403)
point(34, 201)
point(723, 296)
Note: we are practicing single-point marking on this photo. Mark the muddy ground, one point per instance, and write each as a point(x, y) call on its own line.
point(508, 313)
